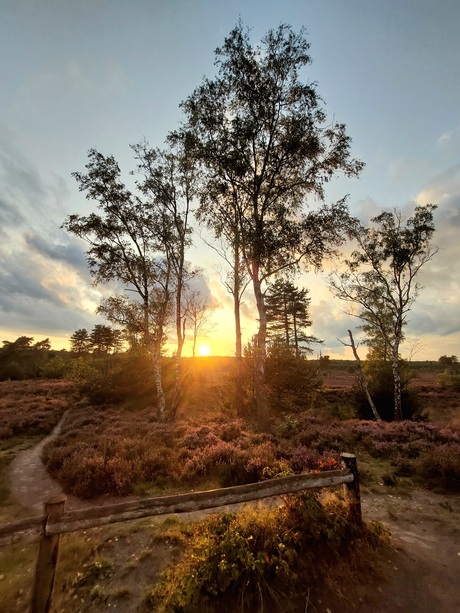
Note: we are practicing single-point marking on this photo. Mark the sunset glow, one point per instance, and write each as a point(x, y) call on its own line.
point(204, 350)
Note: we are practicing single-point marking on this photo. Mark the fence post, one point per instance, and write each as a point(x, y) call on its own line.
point(45, 571)
point(352, 489)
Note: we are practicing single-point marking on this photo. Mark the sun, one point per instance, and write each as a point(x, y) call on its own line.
point(204, 350)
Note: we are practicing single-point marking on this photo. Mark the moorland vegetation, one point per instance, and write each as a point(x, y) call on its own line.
point(112, 443)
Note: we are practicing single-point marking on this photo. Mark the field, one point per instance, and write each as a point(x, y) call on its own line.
point(410, 478)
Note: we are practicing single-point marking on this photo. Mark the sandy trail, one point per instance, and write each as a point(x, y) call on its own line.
point(30, 483)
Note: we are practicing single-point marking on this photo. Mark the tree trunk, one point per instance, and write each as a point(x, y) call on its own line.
point(296, 339)
point(238, 346)
point(161, 405)
point(236, 300)
point(397, 382)
point(259, 353)
point(180, 333)
point(195, 334)
point(286, 324)
point(362, 379)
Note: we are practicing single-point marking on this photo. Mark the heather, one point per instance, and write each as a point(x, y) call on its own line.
point(108, 450)
point(31, 408)
point(115, 450)
point(28, 410)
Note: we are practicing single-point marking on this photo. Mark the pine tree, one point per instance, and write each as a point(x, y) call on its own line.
point(288, 316)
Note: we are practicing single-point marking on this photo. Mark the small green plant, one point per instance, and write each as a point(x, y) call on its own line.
point(99, 570)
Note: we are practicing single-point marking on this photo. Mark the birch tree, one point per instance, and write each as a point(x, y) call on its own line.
point(380, 278)
point(264, 144)
point(124, 245)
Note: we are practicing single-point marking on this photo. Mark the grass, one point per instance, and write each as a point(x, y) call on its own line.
point(17, 569)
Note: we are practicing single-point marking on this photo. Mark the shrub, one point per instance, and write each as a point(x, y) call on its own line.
point(56, 368)
point(441, 466)
point(258, 560)
point(381, 387)
point(449, 379)
point(292, 381)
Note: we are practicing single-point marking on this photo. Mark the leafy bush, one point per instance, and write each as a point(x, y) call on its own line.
point(258, 560)
point(441, 466)
point(292, 381)
point(449, 379)
point(380, 381)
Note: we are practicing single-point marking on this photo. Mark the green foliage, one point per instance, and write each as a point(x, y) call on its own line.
point(264, 144)
point(380, 278)
point(82, 372)
point(449, 379)
point(23, 359)
point(379, 376)
point(80, 341)
point(258, 560)
point(55, 368)
point(288, 317)
point(292, 380)
point(98, 570)
point(448, 360)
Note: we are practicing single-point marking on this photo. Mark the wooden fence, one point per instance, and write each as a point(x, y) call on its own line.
point(55, 521)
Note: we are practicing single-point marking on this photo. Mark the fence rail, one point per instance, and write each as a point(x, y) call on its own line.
point(47, 528)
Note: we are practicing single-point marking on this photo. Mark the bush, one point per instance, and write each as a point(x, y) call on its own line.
point(441, 466)
point(258, 560)
point(292, 381)
point(449, 379)
point(380, 381)
point(56, 368)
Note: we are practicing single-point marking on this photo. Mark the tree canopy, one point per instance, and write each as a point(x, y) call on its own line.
point(264, 144)
point(380, 277)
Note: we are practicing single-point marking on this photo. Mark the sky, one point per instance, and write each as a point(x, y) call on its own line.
point(105, 74)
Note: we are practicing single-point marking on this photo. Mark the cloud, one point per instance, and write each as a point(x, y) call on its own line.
point(449, 141)
point(45, 286)
point(70, 252)
point(26, 199)
point(441, 188)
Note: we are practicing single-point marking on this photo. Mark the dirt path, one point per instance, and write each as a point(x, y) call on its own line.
point(420, 573)
point(31, 485)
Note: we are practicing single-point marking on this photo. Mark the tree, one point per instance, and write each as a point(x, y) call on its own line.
point(170, 182)
point(199, 315)
point(448, 360)
point(381, 278)
point(80, 341)
point(288, 316)
point(103, 339)
point(125, 245)
point(235, 279)
point(22, 358)
point(362, 378)
point(262, 140)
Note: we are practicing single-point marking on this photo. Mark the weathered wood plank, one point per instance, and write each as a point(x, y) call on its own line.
point(196, 501)
point(27, 530)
